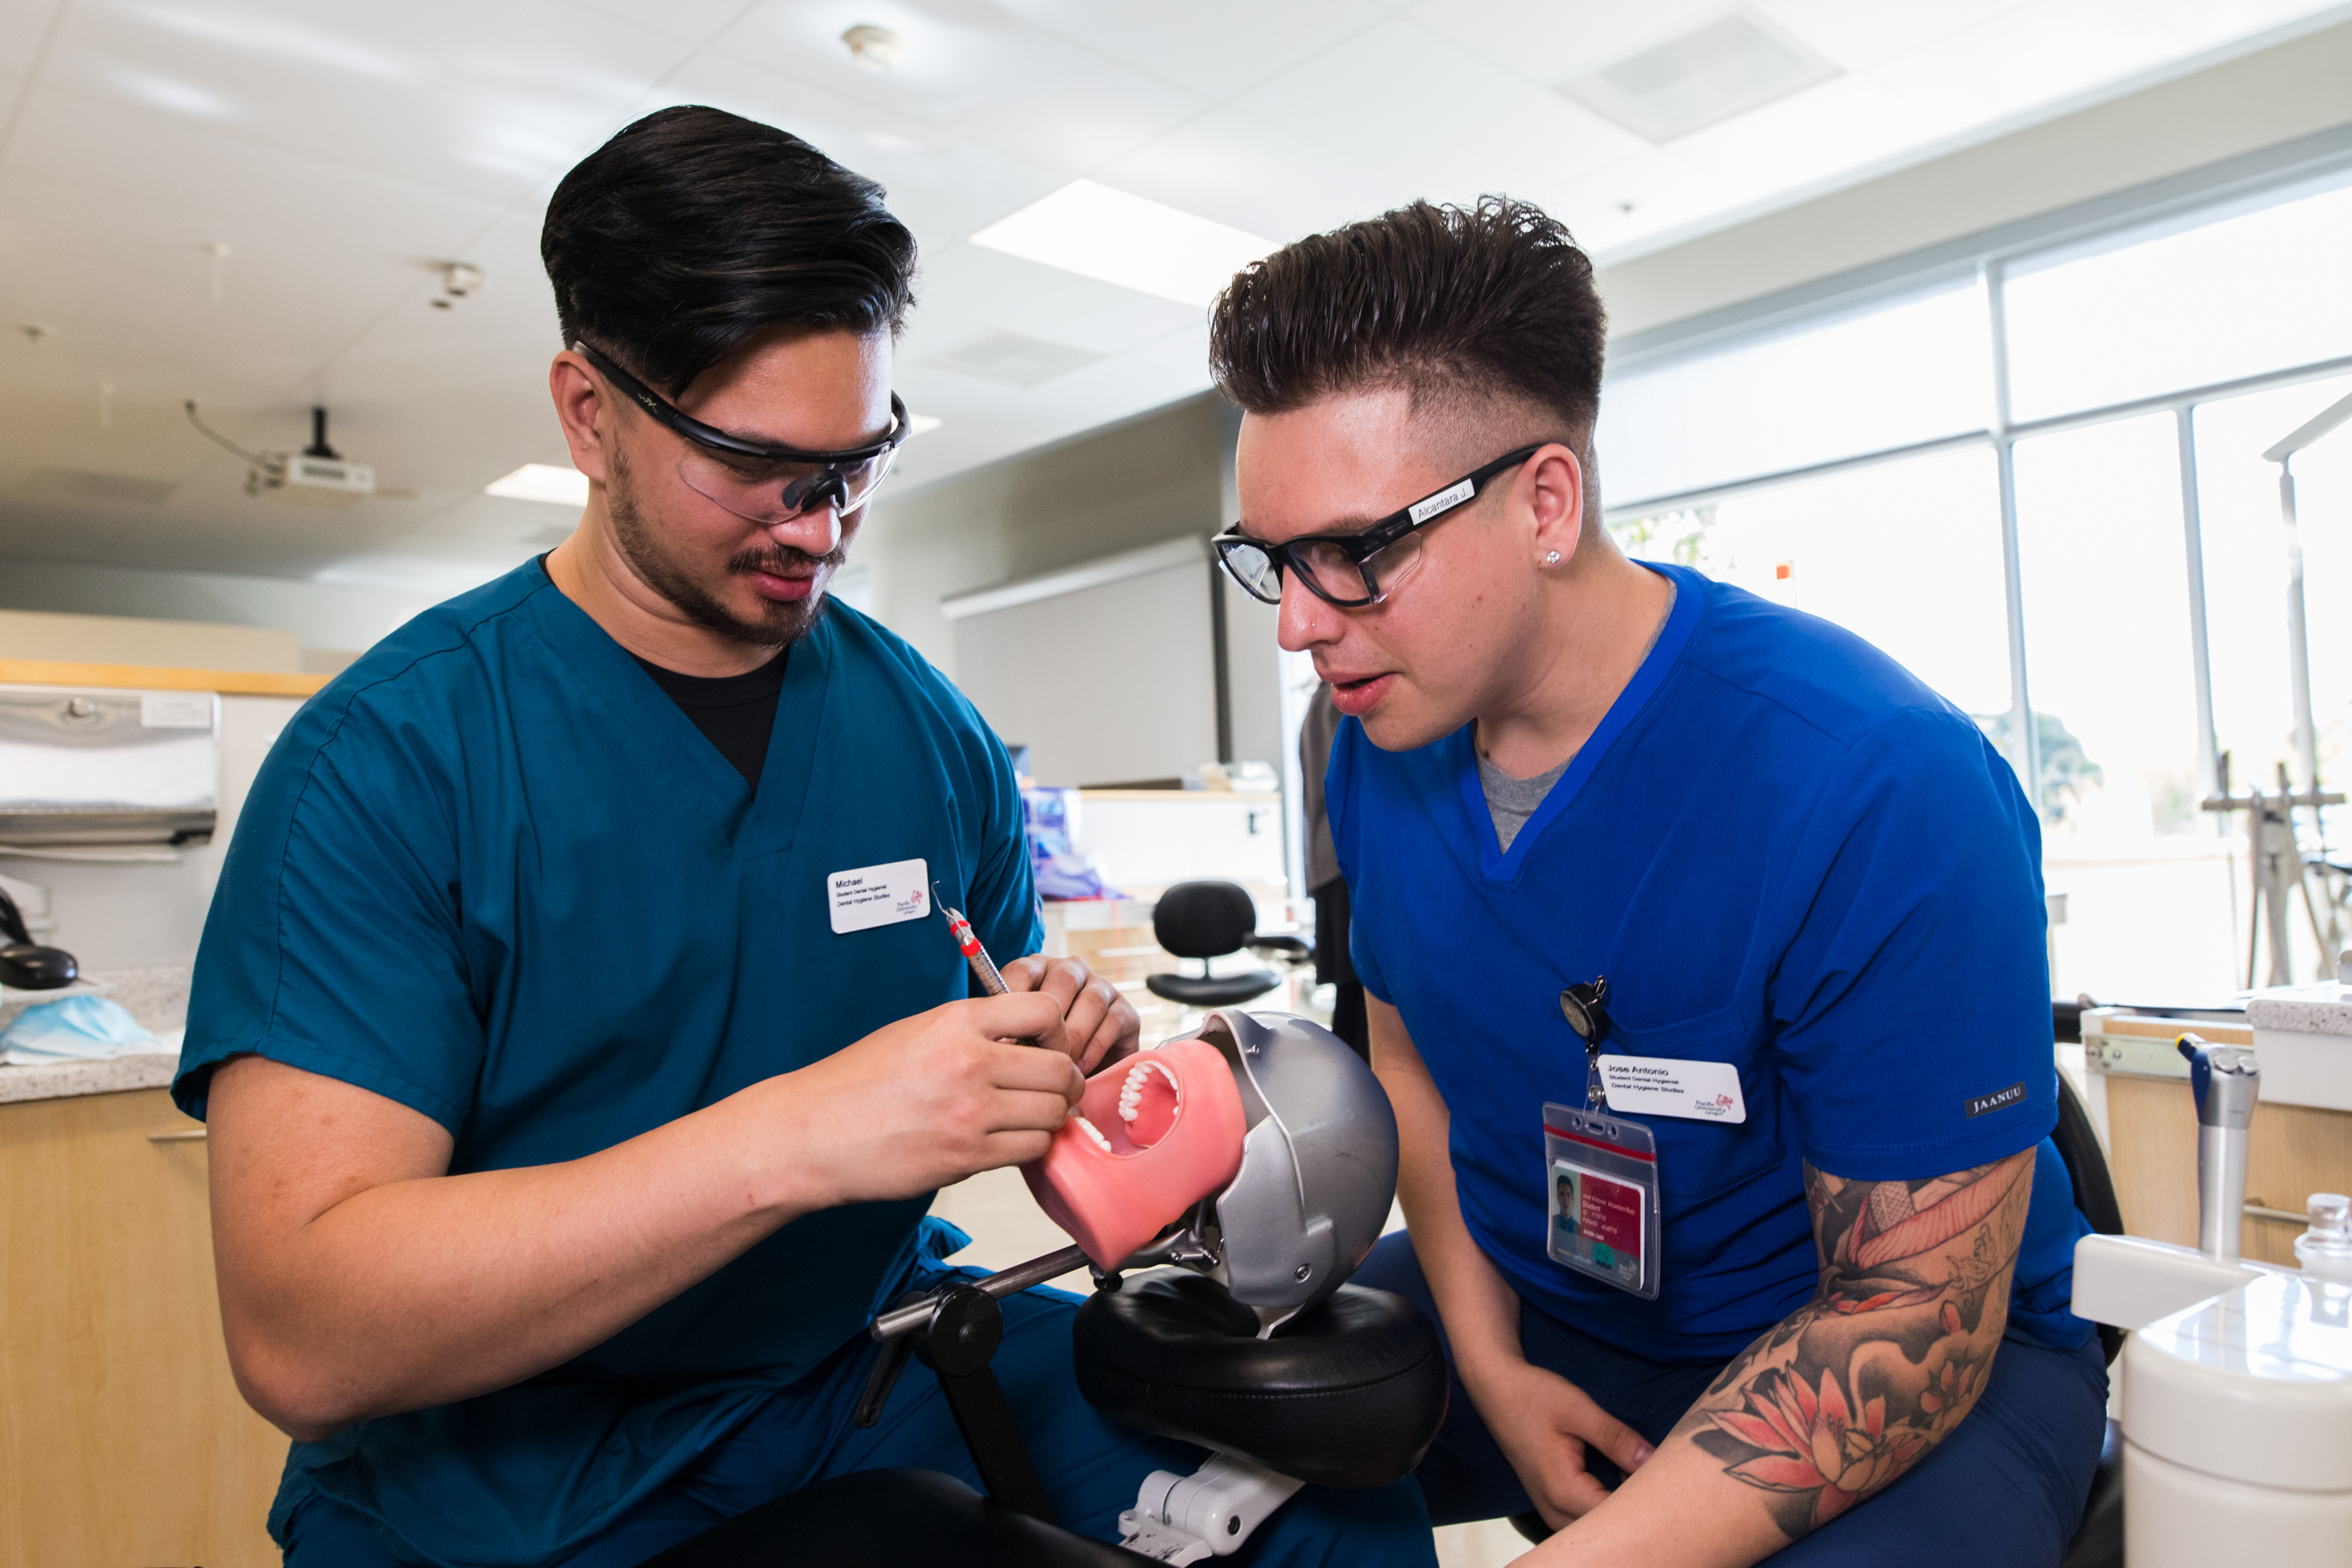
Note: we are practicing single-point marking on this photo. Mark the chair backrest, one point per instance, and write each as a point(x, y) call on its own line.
point(1203, 920)
point(2086, 1162)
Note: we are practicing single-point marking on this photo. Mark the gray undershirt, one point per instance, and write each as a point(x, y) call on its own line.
point(1512, 801)
point(1509, 801)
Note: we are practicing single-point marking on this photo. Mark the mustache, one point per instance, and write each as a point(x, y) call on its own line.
point(783, 561)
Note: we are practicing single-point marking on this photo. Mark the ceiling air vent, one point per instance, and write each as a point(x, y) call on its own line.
point(1730, 66)
point(1013, 359)
point(107, 490)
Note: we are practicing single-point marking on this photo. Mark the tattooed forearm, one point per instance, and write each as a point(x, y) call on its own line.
point(1843, 1395)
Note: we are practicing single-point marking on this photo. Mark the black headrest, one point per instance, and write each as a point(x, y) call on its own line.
point(1348, 1394)
point(1203, 920)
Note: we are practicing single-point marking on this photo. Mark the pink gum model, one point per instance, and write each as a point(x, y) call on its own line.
point(1154, 1135)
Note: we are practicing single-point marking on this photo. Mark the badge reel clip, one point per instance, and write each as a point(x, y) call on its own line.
point(1602, 1170)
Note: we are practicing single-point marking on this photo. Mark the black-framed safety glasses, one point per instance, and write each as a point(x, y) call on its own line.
point(756, 481)
point(1334, 565)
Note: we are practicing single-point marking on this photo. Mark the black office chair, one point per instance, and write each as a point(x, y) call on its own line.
point(1204, 920)
point(2099, 1542)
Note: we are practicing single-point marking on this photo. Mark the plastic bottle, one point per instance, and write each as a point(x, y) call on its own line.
point(2324, 1251)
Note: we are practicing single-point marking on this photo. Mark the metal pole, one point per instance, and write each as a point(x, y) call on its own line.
point(2193, 529)
point(2025, 743)
point(2298, 640)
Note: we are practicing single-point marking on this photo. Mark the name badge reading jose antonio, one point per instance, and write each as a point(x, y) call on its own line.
point(1661, 1086)
point(879, 896)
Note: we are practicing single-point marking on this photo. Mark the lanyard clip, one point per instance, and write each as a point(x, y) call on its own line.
point(1586, 1008)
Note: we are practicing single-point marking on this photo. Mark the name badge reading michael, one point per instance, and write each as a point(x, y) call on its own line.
point(1661, 1086)
point(879, 896)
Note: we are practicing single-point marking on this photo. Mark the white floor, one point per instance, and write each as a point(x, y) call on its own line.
point(1003, 1221)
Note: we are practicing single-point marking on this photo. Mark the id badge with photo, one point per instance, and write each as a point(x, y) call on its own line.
point(1602, 1203)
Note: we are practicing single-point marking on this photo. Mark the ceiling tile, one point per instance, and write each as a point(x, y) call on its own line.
point(1857, 33)
point(2038, 54)
point(1850, 123)
point(1214, 48)
point(1238, 169)
point(942, 184)
point(478, 100)
point(1662, 189)
point(24, 28)
point(1168, 367)
point(1483, 131)
point(2202, 24)
point(694, 20)
point(972, 71)
point(1547, 41)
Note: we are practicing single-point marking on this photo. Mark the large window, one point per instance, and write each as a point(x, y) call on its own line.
point(2112, 553)
point(2249, 293)
point(1905, 553)
point(1891, 376)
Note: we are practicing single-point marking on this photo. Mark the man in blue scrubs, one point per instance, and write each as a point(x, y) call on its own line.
point(580, 1045)
point(1677, 907)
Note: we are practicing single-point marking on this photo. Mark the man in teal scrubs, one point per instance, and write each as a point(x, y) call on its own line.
point(581, 1047)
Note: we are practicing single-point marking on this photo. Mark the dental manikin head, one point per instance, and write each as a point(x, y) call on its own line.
point(1378, 365)
point(1258, 1150)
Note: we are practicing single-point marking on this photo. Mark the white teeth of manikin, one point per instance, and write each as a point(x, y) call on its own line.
point(1095, 1133)
point(1131, 1092)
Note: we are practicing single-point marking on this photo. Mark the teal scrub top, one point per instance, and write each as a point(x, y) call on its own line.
point(493, 873)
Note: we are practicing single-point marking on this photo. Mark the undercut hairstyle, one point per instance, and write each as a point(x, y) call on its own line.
point(1464, 307)
point(693, 230)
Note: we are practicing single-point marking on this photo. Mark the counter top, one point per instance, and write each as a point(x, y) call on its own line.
point(157, 998)
point(2324, 1009)
point(109, 1075)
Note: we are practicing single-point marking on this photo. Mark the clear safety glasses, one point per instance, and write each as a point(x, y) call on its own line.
point(758, 483)
point(1352, 568)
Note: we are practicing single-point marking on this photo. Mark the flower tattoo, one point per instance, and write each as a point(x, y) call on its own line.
point(1840, 1399)
point(1812, 1443)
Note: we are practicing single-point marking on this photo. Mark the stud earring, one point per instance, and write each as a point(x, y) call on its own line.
point(1551, 558)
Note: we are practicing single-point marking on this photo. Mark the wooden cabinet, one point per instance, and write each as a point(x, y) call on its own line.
point(123, 1443)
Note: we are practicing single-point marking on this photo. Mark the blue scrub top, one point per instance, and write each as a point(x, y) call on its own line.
point(1785, 853)
point(493, 873)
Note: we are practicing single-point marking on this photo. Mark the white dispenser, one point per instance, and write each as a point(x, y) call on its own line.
point(2237, 1430)
point(2237, 1380)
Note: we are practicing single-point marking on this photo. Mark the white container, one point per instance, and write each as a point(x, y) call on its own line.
point(2237, 1430)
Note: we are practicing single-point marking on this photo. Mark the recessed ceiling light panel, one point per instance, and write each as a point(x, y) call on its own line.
point(1732, 65)
point(1097, 232)
point(544, 482)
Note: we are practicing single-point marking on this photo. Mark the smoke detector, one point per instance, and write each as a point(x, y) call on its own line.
point(875, 48)
point(458, 279)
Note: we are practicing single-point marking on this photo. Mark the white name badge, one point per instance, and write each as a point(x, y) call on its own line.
point(1661, 1086)
point(878, 895)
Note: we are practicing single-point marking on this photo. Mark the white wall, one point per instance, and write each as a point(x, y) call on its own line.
point(325, 619)
point(129, 639)
point(1137, 482)
point(1111, 684)
point(2257, 100)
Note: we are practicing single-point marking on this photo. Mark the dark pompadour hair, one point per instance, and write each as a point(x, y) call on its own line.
point(1457, 304)
point(693, 229)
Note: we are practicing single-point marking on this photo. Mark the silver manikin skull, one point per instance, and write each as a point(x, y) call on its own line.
point(1318, 1163)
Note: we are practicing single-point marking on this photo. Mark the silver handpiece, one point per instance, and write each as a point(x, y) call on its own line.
point(2226, 1080)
